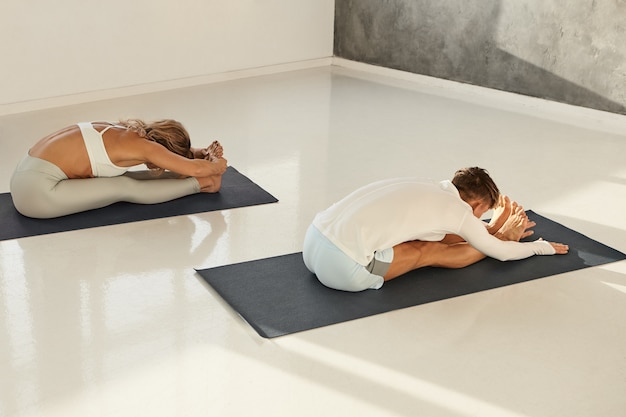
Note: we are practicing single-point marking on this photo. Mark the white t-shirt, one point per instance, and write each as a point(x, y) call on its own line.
point(383, 214)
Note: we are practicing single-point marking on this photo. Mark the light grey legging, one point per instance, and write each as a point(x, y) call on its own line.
point(40, 189)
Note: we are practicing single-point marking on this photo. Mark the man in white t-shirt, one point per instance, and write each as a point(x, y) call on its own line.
point(391, 227)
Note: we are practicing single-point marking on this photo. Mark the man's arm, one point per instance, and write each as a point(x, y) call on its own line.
point(475, 233)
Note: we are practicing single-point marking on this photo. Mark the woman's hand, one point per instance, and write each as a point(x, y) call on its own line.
point(221, 165)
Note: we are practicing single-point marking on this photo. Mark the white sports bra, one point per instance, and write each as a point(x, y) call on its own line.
point(101, 165)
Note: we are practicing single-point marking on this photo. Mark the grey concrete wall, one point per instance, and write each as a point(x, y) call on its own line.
point(570, 51)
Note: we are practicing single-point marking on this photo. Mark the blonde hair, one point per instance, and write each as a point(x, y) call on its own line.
point(167, 132)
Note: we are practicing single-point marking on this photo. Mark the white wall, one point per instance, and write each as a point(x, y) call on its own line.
point(69, 47)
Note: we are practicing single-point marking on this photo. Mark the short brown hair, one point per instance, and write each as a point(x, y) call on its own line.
point(474, 183)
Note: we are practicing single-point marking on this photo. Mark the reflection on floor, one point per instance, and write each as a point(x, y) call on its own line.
point(113, 321)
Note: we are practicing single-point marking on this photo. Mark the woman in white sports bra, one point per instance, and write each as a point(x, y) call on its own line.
point(85, 166)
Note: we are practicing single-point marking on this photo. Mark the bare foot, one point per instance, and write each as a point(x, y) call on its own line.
point(528, 224)
point(210, 184)
point(514, 228)
point(501, 213)
point(214, 151)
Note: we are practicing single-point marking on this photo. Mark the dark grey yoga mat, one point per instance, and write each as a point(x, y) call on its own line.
point(237, 191)
point(279, 296)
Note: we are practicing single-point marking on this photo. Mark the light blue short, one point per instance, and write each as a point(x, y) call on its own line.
point(337, 270)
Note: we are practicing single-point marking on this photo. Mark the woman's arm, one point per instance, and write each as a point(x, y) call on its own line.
point(160, 156)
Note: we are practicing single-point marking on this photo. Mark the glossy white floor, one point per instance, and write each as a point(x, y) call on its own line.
point(113, 321)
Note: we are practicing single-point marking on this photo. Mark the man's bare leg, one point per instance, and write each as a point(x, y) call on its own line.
point(416, 254)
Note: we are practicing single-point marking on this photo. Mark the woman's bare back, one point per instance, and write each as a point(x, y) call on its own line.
point(66, 149)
